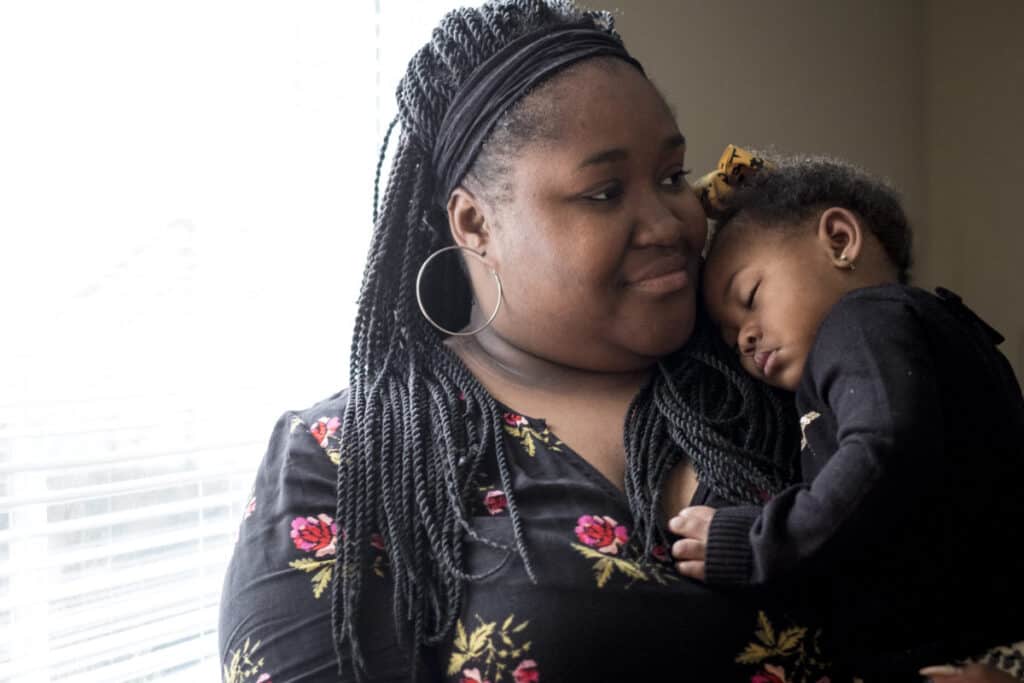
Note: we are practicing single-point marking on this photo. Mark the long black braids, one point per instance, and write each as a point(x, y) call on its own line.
point(418, 426)
point(740, 435)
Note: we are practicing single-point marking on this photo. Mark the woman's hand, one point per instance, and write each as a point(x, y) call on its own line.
point(692, 524)
point(971, 673)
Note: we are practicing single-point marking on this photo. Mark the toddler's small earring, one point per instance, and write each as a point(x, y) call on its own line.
point(847, 262)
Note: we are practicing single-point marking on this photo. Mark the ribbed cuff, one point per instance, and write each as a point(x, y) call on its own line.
point(729, 560)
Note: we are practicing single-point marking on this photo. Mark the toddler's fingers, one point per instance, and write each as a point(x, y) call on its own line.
point(693, 569)
point(945, 673)
point(692, 522)
point(972, 673)
point(689, 549)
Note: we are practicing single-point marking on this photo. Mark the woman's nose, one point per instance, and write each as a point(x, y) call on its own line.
point(656, 224)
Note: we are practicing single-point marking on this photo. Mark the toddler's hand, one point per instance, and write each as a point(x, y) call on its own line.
point(692, 524)
point(972, 673)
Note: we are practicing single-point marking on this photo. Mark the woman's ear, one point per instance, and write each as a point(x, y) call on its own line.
point(467, 220)
point(841, 234)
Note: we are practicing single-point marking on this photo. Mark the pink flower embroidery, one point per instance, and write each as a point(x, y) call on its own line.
point(318, 534)
point(771, 674)
point(377, 542)
point(513, 420)
point(472, 676)
point(603, 533)
point(526, 672)
point(324, 429)
point(495, 502)
point(264, 678)
point(660, 553)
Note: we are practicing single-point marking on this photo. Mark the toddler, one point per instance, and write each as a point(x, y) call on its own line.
point(908, 526)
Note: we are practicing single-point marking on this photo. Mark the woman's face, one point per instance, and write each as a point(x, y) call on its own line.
point(599, 245)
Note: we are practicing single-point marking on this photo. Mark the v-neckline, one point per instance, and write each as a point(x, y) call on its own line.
point(572, 456)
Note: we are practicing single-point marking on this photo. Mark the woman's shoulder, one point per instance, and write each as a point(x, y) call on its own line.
point(333, 404)
point(299, 436)
point(323, 416)
point(275, 618)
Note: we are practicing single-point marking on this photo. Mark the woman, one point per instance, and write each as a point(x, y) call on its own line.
point(469, 509)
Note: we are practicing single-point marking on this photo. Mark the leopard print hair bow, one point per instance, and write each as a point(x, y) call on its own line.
point(735, 169)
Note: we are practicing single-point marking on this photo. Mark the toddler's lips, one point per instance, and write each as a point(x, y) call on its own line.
point(765, 361)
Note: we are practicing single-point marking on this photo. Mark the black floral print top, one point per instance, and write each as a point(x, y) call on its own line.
point(598, 611)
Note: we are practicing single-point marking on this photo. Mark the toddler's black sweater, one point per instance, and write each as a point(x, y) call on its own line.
point(908, 529)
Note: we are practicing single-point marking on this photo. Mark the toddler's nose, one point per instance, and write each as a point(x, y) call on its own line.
point(747, 341)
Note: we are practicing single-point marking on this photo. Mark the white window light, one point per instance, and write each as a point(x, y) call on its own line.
point(186, 208)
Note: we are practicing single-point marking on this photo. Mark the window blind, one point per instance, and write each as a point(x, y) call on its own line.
point(189, 209)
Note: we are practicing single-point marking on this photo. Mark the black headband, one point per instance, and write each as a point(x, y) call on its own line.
point(500, 82)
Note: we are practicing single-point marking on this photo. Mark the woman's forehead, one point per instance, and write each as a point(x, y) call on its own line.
point(604, 99)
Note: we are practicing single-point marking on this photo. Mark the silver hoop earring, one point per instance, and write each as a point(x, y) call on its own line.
point(419, 296)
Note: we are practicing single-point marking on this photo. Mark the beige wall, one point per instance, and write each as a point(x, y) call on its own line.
point(974, 156)
point(923, 92)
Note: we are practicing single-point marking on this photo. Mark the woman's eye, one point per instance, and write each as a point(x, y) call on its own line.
point(606, 194)
point(675, 179)
point(753, 293)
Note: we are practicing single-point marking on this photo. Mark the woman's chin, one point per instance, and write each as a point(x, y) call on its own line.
point(660, 339)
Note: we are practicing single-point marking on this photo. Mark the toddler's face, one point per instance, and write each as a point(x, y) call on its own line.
point(769, 290)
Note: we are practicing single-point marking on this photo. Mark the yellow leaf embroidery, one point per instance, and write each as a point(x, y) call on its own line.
point(603, 571)
point(457, 660)
point(788, 650)
point(481, 650)
point(478, 639)
point(307, 564)
point(766, 634)
point(528, 438)
point(791, 638)
point(461, 640)
point(605, 565)
point(531, 447)
point(589, 552)
point(242, 666)
point(754, 654)
point(630, 569)
point(321, 580)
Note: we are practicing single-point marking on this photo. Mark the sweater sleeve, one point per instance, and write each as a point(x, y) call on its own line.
point(871, 365)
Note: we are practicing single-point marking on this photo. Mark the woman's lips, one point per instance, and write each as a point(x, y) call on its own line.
point(662, 284)
point(661, 275)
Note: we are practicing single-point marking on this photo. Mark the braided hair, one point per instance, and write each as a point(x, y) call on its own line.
point(418, 426)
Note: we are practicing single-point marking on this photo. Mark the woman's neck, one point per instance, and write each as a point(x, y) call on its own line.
point(507, 370)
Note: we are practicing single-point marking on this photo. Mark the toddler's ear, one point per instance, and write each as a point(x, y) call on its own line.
point(841, 234)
